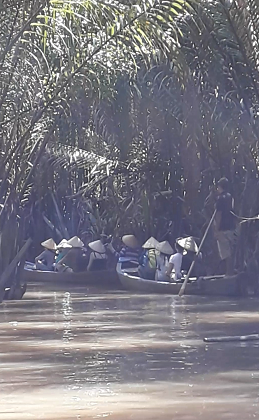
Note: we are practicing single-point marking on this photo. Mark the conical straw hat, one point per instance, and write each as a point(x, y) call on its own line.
point(49, 244)
point(151, 243)
point(63, 244)
point(188, 244)
point(165, 248)
point(75, 242)
point(97, 246)
point(130, 241)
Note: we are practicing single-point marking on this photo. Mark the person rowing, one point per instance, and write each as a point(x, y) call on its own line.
point(224, 225)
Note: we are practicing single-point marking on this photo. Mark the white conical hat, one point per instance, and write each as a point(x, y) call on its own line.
point(188, 244)
point(49, 244)
point(151, 243)
point(75, 242)
point(97, 246)
point(130, 241)
point(64, 244)
point(165, 248)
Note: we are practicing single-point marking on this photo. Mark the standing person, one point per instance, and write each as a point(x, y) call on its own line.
point(224, 224)
point(175, 262)
point(45, 260)
point(165, 250)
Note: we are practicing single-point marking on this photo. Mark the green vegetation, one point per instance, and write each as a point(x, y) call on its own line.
point(119, 115)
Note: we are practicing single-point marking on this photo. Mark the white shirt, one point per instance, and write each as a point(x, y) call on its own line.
point(162, 266)
point(176, 260)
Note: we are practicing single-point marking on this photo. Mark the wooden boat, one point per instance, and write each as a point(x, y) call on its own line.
point(208, 286)
point(107, 278)
point(223, 285)
point(131, 281)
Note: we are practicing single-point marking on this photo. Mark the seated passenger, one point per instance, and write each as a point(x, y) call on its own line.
point(191, 249)
point(165, 250)
point(98, 257)
point(63, 248)
point(71, 259)
point(175, 263)
point(148, 259)
point(131, 249)
point(45, 260)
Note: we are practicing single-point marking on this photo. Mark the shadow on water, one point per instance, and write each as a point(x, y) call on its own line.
point(81, 352)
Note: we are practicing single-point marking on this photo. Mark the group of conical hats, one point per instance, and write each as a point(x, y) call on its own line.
point(74, 242)
point(163, 247)
point(188, 244)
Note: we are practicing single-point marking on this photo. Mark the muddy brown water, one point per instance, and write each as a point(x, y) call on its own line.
point(77, 353)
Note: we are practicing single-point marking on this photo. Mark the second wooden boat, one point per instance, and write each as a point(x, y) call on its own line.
point(131, 281)
point(209, 286)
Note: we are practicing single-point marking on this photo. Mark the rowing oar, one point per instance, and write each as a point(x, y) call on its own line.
point(181, 292)
point(252, 337)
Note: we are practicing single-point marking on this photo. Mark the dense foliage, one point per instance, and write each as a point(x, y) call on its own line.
point(119, 116)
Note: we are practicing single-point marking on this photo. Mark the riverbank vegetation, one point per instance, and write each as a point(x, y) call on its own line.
point(119, 116)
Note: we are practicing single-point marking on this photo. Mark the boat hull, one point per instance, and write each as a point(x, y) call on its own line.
point(95, 278)
point(224, 286)
point(137, 284)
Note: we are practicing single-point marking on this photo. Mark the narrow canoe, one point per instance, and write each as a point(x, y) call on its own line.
point(214, 286)
point(105, 278)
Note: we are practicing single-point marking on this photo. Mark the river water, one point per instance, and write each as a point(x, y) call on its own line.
point(78, 353)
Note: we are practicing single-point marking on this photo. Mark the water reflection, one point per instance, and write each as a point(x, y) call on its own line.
point(81, 354)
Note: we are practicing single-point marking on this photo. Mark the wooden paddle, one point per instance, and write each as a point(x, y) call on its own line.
point(181, 292)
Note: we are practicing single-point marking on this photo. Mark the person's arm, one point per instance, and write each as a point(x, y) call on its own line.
point(122, 252)
point(91, 258)
point(40, 257)
point(169, 269)
point(170, 266)
point(112, 250)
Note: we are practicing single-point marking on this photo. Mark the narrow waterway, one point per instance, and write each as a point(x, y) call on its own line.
point(78, 353)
